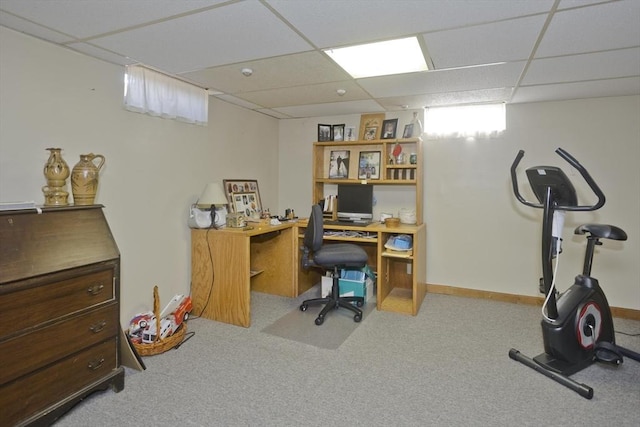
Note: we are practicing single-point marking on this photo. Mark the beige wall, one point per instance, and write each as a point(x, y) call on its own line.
point(154, 169)
point(478, 236)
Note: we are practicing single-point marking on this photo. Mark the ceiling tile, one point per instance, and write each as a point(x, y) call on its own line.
point(88, 18)
point(356, 21)
point(511, 40)
point(599, 65)
point(100, 53)
point(208, 39)
point(331, 109)
point(589, 29)
point(282, 71)
point(590, 89)
point(300, 95)
point(452, 80)
point(35, 30)
point(449, 98)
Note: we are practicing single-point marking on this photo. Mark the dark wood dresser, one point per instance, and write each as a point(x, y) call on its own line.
point(59, 311)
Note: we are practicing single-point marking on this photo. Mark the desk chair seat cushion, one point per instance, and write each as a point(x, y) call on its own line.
point(341, 255)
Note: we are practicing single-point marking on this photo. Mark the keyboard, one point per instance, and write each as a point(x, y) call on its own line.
point(349, 223)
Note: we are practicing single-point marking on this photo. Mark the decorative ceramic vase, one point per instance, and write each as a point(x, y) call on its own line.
point(84, 179)
point(56, 171)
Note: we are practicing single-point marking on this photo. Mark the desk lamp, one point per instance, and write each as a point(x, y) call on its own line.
point(211, 197)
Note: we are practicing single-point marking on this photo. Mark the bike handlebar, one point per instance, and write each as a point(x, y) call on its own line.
point(573, 162)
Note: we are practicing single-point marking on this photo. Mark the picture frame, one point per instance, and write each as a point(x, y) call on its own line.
point(350, 133)
point(370, 126)
point(369, 165)
point(249, 202)
point(389, 128)
point(339, 164)
point(324, 133)
point(337, 132)
point(408, 131)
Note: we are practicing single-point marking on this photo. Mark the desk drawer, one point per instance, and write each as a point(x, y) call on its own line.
point(22, 354)
point(33, 393)
point(35, 305)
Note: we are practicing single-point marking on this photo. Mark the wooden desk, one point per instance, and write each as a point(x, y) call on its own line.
point(227, 264)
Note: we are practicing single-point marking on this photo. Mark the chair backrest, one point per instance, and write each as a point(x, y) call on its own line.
point(314, 233)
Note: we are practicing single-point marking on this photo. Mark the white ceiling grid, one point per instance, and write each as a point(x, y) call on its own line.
point(483, 50)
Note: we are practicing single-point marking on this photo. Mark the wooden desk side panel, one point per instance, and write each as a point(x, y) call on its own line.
point(274, 255)
point(419, 268)
point(220, 276)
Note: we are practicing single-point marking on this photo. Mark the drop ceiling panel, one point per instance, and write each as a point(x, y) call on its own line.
point(511, 40)
point(331, 109)
point(333, 23)
point(600, 65)
point(283, 71)
point(448, 98)
point(454, 80)
point(211, 38)
point(92, 17)
point(300, 95)
point(590, 89)
point(100, 53)
point(25, 26)
point(590, 29)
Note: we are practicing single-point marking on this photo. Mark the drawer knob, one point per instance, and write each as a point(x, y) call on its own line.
point(95, 288)
point(95, 364)
point(98, 327)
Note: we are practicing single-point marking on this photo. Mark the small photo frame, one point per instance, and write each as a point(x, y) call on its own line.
point(249, 196)
point(350, 133)
point(389, 129)
point(339, 164)
point(369, 165)
point(337, 132)
point(408, 131)
point(370, 133)
point(324, 133)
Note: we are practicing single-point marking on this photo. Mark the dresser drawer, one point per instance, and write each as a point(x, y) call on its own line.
point(35, 392)
point(24, 353)
point(35, 305)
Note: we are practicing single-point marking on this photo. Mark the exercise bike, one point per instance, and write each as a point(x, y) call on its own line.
point(577, 326)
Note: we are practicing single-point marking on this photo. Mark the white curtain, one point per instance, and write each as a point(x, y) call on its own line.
point(465, 121)
point(148, 91)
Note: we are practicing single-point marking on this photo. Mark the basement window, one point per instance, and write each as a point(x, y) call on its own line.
point(151, 92)
point(465, 121)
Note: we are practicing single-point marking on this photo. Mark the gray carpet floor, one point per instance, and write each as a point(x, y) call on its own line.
point(447, 366)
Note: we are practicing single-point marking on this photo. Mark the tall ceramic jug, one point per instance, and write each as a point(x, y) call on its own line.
point(84, 179)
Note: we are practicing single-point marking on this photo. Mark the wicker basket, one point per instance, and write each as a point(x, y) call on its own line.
point(160, 345)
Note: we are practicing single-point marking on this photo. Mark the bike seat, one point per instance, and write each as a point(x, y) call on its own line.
point(603, 231)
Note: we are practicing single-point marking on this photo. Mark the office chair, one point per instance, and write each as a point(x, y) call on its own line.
point(332, 257)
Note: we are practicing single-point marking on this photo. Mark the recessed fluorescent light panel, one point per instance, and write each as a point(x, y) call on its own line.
point(381, 58)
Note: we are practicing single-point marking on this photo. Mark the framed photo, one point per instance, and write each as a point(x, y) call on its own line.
point(370, 126)
point(408, 131)
point(337, 132)
point(243, 196)
point(389, 128)
point(339, 164)
point(350, 133)
point(369, 165)
point(324, 133)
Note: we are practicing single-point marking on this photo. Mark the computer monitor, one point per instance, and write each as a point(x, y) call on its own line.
point(355, 202)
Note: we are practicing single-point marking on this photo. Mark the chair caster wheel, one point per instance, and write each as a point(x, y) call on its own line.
point(359, 303)
point(319, 320)
point(303, 307)
point(357, 318)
